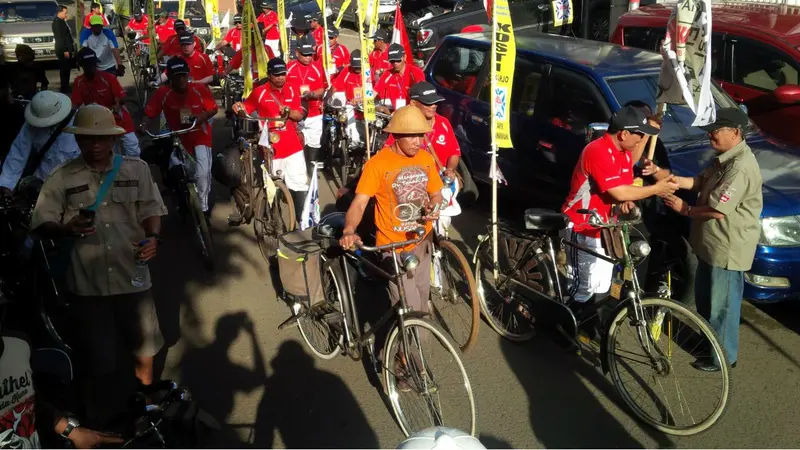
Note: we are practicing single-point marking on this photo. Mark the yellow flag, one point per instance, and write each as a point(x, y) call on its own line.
point(504, 54)
point(345, 4)
point(282, 26)
point(261, 52)
point(215, 28)
point(373, 20)
point(181, 9)
point(151, 31)
point(368, 95)
point(246, 53)
point(122, 7)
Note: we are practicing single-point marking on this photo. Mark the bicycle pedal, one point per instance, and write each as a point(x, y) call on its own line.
point(290, 322)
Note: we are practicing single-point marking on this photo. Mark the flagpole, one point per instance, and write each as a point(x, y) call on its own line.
point(493, 85)
point(651, 149)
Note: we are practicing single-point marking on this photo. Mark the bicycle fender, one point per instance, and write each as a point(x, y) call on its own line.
point(412, 315)
point(481, 240)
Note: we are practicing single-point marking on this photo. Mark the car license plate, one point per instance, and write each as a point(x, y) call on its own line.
point(42, 52)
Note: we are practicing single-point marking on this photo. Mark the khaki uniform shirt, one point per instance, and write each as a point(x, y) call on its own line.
point(731, 184)
point(103, 263)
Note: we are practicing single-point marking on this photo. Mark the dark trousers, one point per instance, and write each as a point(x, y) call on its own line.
point(64, 71)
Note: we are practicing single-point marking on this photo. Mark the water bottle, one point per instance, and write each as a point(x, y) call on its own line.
point(139, 278)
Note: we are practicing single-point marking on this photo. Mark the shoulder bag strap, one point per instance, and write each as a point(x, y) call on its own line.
point(108, 182)
point(36, 159)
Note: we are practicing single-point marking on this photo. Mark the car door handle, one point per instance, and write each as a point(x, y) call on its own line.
point(477, 119)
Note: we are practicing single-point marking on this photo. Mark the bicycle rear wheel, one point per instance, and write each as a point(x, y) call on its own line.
point(321, 325)
point(200, 225)
point(660, 390)
point(273, 220)
point(454, 296)
point(427, 384)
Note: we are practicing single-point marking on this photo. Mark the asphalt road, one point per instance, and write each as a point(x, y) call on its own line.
point(270, 392)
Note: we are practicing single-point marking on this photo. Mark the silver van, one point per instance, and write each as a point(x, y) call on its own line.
point(28, 22)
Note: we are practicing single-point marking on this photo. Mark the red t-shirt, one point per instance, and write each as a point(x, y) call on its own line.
point(172, 46)
point(200, 65)
point(270, 18)
point(102, 89)
point(348, 82)
point(319, 35)
point(234, 37)
point(86, 20)
point(236, 61)
point(166, 30)
point(379, 62)
point(140, 27)
point(197, 100)
point(339, 53)
point(442, 138)
point(394, 86)
point(311, 78)
point(602, 166)
point(263, 100)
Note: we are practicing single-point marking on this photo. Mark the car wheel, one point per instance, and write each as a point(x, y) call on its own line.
point(599, 24)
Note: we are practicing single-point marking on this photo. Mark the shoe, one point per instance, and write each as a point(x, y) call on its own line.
point(578, 308)
point(708, 365)
point(401, 375)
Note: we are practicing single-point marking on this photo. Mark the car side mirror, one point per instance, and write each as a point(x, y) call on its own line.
point(788, 94)
point(594, 130)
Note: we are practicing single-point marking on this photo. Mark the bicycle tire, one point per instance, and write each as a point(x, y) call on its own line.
point(331, 345)
point(345, 160)
point(264, 225)
point(472, 323)
point(143, 88)
point(708, 334)
point(390, 380)
point(200, 226)
point(44, 307)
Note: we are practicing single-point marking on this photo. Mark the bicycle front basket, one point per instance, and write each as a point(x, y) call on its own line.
point(300, 266)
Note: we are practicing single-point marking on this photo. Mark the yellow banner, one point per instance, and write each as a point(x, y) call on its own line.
point(215, 28)
point(261, 52)
point(373, 20)
point(79, 14)
point(282, 26)
point(122, 8)
point(247, 73)
point(344, 7)
point(181, 9)
point(504, 54)
point(151, 31)
point(562, 12)
point(368, 95)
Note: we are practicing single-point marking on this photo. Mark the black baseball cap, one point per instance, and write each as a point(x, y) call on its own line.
point(333, 32)
point(355, 59)
point(163, 14)
point(727, 118)
point(179, 24)
point(300, 23)
point(631, 119)
point(186, 39)
point(381, 35)
point(176, 66)
point(86, 56)
point(237, 18)
point(267, 4)
point(306, 45)
point(276, 66)
point(396, 52)
point(425, 93)
point(137, 14)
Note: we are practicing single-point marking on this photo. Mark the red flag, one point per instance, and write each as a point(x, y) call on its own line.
point(487, 4)
point(400, 36)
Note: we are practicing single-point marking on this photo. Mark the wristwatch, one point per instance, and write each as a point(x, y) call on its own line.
point(72, 423)
point(689, 211)
point(154, 236)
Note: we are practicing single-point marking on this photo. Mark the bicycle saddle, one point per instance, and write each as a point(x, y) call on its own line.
point(545, 220)
point(331, 226)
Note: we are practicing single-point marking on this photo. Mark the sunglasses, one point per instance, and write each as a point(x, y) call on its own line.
point(396, 61)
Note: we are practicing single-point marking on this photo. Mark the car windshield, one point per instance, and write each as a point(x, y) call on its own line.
point(678, 119)
point(27, 12)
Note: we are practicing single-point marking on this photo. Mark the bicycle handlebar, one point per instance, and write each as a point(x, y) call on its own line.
point(170, 134)
point(420, 232)
point(281, 118)
point(597, 221)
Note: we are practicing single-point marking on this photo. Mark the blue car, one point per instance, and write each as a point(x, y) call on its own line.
point(565, 87)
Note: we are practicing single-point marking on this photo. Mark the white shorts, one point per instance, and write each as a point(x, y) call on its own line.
point(593, 274)
point(355, 129)
point(274, 44)
point(312, 130)
point(293, 171)
point(128, 145)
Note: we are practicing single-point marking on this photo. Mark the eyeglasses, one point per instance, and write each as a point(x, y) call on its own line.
point(398, 61)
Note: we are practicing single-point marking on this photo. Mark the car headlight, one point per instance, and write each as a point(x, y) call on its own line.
point(11, 40)
point(780, 231)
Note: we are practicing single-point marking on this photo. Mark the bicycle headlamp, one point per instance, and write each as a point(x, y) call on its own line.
point(639, 249)
point(342, 117)
point(379, 123)
point(410, 261)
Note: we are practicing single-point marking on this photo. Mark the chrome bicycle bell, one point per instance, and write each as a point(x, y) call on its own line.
point(409, 261)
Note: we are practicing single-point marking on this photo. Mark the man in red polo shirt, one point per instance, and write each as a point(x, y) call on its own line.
point(379, 58)
point(317, 30)
point(95, 11)
point(349, 82)
point(270, 100)
point(392, 87)
point(309, 76)
point(182, 102)
point(138, 23)
point(339, 53)
point(234, 36)
point(201, 70)
point(103, 88)
point(172, 46)
point(165, 27)
point(236, 60)
point(272, 33)
point(602, 178)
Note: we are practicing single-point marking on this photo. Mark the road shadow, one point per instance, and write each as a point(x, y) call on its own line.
point(308, 407)
point(215, 380)
point(786, 313)
point(563, 412)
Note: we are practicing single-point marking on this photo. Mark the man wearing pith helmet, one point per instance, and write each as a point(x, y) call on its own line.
point(109, 206)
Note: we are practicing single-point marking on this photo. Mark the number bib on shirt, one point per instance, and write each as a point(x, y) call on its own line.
point(185, 115)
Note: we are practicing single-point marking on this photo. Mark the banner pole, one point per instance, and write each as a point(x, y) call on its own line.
point(651, 149)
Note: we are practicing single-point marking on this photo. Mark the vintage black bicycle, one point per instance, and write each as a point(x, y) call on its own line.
point(424, 378)
point(646, 341)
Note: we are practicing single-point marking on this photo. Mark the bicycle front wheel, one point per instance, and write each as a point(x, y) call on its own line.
point(273, 220)
point(321, 325)
point(650, 364)
point(200, 225)
point(454, 297)
point(426, 382)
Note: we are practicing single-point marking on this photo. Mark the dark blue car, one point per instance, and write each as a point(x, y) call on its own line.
point(561, 86)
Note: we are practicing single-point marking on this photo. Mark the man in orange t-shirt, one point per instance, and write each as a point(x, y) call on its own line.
point(407, 189)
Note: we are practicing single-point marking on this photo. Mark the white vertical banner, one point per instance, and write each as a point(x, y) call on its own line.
point(310, 216)
point(686, 73)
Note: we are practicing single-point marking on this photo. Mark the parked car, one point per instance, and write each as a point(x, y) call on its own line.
point(755, 58)
point(562, 86)
point(28, 22)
